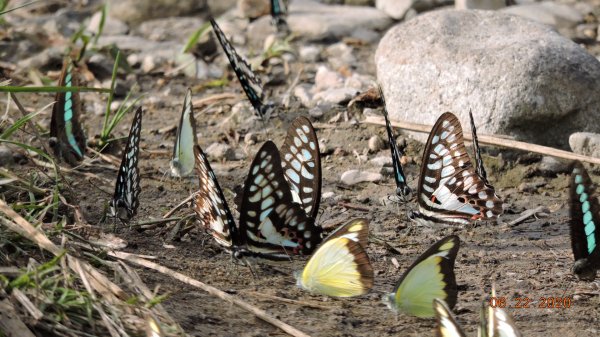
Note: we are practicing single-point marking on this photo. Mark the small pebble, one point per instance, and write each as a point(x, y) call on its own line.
point(6, 156)
point(250, 138)
point(220, 151)
point(316, 112)
point(375, 144)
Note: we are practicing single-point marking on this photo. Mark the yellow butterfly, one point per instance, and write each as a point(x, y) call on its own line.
point(446, 323)
point(431, 276)
point(340, 267)
point(495, 322)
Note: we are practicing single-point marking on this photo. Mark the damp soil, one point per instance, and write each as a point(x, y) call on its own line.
point(528, 260)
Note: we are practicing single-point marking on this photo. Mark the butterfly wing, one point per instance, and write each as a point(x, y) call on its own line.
point(270, 222)
point(402, 188)
point(302, 165)
point(340, 268)
point(430, 276)
point(250, 82)
point(496, 322)
point(355, 229)
point(478, 160)
point(278, 13)
point(446, 324)
point(210, 205)
point(584, 210)
point(125, 200)
point(182, 163)
point(68, 140)
point(449, 187)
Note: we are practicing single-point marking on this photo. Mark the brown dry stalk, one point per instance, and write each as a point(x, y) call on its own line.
point(211, 290)
point(492, 140)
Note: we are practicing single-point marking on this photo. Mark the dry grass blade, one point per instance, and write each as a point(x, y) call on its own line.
point(26, 303)
point(213, 291)
point(493, 140)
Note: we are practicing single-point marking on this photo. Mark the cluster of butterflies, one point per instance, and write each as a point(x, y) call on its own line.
point(281, 197)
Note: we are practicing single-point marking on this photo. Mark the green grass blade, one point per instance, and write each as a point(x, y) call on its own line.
point(20, 122)
point(101, 23)
point(3, 5)
point(195, 37)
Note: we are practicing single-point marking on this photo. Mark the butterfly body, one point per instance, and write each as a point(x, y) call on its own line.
point(125, 201)
point(431, 276)
point(450, 189)
point(340, 267)
point(182, 163)
point(67, 140)
point(402, 189)
point(251, 84)
point(585, 236)
point(302, 165)
point(271, 225)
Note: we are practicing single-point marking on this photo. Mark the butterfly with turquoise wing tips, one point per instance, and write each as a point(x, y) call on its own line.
point(67, 138)
point(251, 84)
point(341, 266)
point(585, 236)
point(402, 189)
point(278, 13)
point(450, 189)
point(271, 225)
point(125, 201)
point(302, 165)
point(182, 163)
point(431, 276)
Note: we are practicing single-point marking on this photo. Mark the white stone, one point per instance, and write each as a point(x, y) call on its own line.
point(535, 87)
point(353, 177)
point(585, 143)
point(327, 79)
point(112, 26)
point(310, 53)
point(335, 96)
point(381, 161)
point(218, 151)
point(396, 9)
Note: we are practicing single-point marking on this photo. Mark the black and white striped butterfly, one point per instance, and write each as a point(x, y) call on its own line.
point(271, 225)
point(67, 138)
point(302, 165)
point(125, 201)
point(402, 189)
point(278, 13)
point(182, 162)
point(450, 188)
point(585, 236)
point(250, 82)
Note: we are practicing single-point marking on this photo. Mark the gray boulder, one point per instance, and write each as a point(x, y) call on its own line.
point(519, 78)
